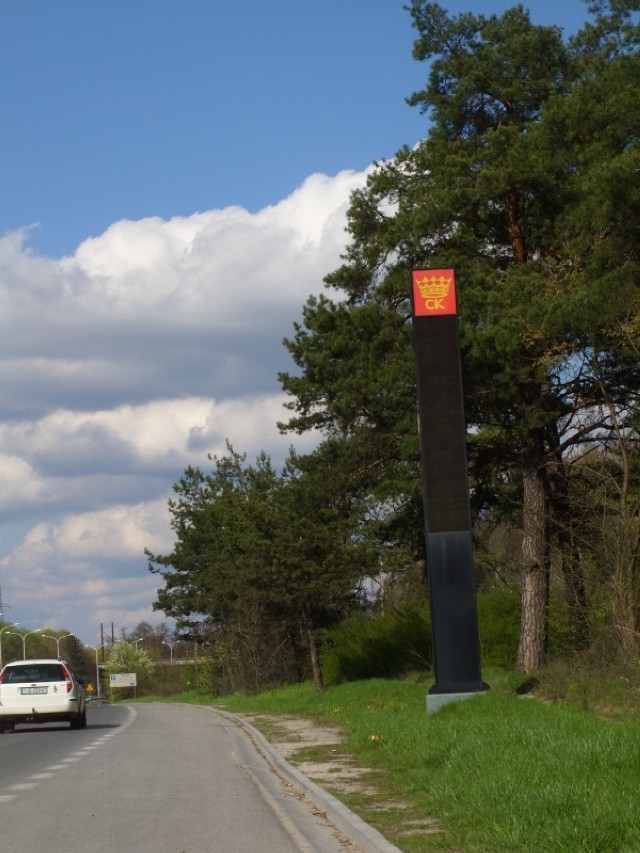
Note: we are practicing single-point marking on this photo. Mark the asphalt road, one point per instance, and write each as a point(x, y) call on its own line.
point(159, 778)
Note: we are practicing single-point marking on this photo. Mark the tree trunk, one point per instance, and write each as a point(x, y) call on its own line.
point(314, 654)
point(564, 527)
point(420, 568)
point(577, 598)
point(625, 583)
point(627, 548)
point(516, 234)
point(532, 649)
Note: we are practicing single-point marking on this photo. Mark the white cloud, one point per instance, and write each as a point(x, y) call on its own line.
point(159, 436)
point(157, 308)
point(84, 570)
point(19, 484)
point(137, 355)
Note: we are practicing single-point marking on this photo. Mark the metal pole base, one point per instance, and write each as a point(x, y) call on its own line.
point(435, 701)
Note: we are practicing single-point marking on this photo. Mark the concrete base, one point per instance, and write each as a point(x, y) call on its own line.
point(435, 701)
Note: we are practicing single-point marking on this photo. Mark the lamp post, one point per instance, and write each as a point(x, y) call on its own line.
point(23, 637)
point(57, 640)
point(24, 642)
point(15, 634)
point(96, 650)
point(171, 645)
point(2, 630)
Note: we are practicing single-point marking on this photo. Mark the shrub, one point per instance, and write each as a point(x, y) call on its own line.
point(499, 625)
point(560, 633)
point(384, 645)
point(126, 657)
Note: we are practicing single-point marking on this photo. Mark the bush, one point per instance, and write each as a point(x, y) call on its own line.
point(385, 645)
point(169, 679)
point(560, 633)
point(609, 687)
point(125, 657)
point(398, 640)
point(499, 626)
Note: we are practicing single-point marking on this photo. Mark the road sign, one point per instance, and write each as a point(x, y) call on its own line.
point(123, 679)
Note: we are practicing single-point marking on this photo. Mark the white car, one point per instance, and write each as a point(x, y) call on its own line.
point(41, 691)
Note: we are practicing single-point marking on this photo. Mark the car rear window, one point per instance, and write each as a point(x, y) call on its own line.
point(39, 672)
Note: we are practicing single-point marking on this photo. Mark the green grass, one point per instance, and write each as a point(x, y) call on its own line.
point(497, 773)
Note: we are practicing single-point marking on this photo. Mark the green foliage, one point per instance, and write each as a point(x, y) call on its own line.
point(391, 643)
point(264, 561)
point(499, 626)
point(170, 679)
point(560, 626)
point(128, 657)
point(609, 685)
point(198, 677)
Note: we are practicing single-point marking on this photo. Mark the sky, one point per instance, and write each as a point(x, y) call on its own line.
point(174, 180)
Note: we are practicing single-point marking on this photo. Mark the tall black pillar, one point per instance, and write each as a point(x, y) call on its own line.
point(456, 647)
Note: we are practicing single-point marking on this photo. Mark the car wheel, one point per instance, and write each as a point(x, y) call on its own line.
point(80, 721)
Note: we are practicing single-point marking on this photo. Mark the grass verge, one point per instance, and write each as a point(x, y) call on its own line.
point(497, 773)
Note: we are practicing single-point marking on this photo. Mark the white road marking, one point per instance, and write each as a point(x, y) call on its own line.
point(66, 762)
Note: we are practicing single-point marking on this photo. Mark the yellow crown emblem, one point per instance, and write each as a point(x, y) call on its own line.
point(434, 287)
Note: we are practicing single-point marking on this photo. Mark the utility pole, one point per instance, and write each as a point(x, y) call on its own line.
point(2, 606)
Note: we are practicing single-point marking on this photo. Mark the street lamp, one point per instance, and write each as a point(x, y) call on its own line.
point(15, 634)
point(24, 641)
point(171, 645)
point(2, 630)
point(57, 640)
point(96, 650)
point(23, 637)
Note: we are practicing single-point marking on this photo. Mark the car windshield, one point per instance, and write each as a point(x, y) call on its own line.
point(36, 672)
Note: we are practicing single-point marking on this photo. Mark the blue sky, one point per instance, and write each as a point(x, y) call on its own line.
point(174, 180)
point(118, 109)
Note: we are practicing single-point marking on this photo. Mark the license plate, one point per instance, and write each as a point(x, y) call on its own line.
point(30, 691)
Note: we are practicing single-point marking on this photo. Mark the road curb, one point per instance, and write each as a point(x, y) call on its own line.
point(349, 823)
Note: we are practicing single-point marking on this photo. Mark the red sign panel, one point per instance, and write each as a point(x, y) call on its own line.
point(434, 292)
